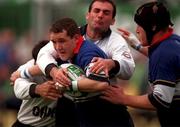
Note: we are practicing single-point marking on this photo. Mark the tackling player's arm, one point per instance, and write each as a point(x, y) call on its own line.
point(47, 90)
point(35, 70)
point(108, 65)
point(60, 75)
point(22, 71)
point(27, 72)
point(25, 89)
point(89, 85)
point(46, 57)
point(85, 84)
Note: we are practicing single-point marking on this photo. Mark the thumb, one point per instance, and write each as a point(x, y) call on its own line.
point(51, 82)
point(106, 72)
point(123, 32)
point(94, 59)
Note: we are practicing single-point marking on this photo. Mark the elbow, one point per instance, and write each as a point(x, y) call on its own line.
point(158, 103)
point(20, 91)
point(126, 76)
point(18, 95)
point(126, 70)
point(126, 73)
point(16, 91)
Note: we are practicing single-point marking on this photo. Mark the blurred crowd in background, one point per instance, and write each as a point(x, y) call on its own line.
point(24, 22)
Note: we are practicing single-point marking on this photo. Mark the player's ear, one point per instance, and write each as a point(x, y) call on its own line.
point(113, 21)
point(76, 37)
point(87, 15)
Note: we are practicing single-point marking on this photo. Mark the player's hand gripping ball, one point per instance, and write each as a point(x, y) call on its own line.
point(74, 73)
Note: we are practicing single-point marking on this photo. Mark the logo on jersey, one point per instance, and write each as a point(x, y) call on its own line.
point(126, 54)
point(43, 111)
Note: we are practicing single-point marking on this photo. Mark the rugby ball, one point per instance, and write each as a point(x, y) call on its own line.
point(88, 70)
point(101, 76)
point(74, 73)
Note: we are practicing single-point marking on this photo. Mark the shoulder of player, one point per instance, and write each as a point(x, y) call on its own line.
point(168, 47)
point(116, 38)
point(87, 45)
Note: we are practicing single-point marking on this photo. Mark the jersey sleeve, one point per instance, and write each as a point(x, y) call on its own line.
point(28, 64)
point(163, 77)
point(22, 88)
point(46, 56)
point(119, 51)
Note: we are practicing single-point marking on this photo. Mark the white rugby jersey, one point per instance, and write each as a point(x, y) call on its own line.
point(38, 111)
point(117, 49)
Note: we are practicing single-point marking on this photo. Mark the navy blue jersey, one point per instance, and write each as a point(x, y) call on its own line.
point(164, 72)
point(86, 53)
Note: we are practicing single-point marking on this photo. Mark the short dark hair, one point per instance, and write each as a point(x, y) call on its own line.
point(109, 1)
point(67, 24)
point(37, 48)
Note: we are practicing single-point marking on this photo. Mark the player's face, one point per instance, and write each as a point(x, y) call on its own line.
point(141, 34)
point(100, 16)
point(63, 44)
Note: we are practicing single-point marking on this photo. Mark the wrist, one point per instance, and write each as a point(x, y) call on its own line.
point(115, 69)
point(48, 70)
point(138, 47)
point(33, 91)
point(111, 63)
point(36, 89)
point(74, 85)
point(53, 71)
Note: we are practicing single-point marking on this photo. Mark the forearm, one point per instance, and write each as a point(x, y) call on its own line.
point(35, 70)
point(51, 71)
point(30, 72)
point(144, 50)
point(141, 102)
point(88, 85)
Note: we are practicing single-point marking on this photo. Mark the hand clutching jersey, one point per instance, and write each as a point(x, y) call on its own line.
point(75, 73)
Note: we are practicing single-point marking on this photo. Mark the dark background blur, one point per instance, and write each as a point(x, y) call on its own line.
point(24, 22)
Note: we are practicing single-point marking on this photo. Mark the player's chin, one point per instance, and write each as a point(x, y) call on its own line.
point(98, 26)
point(63, 57)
